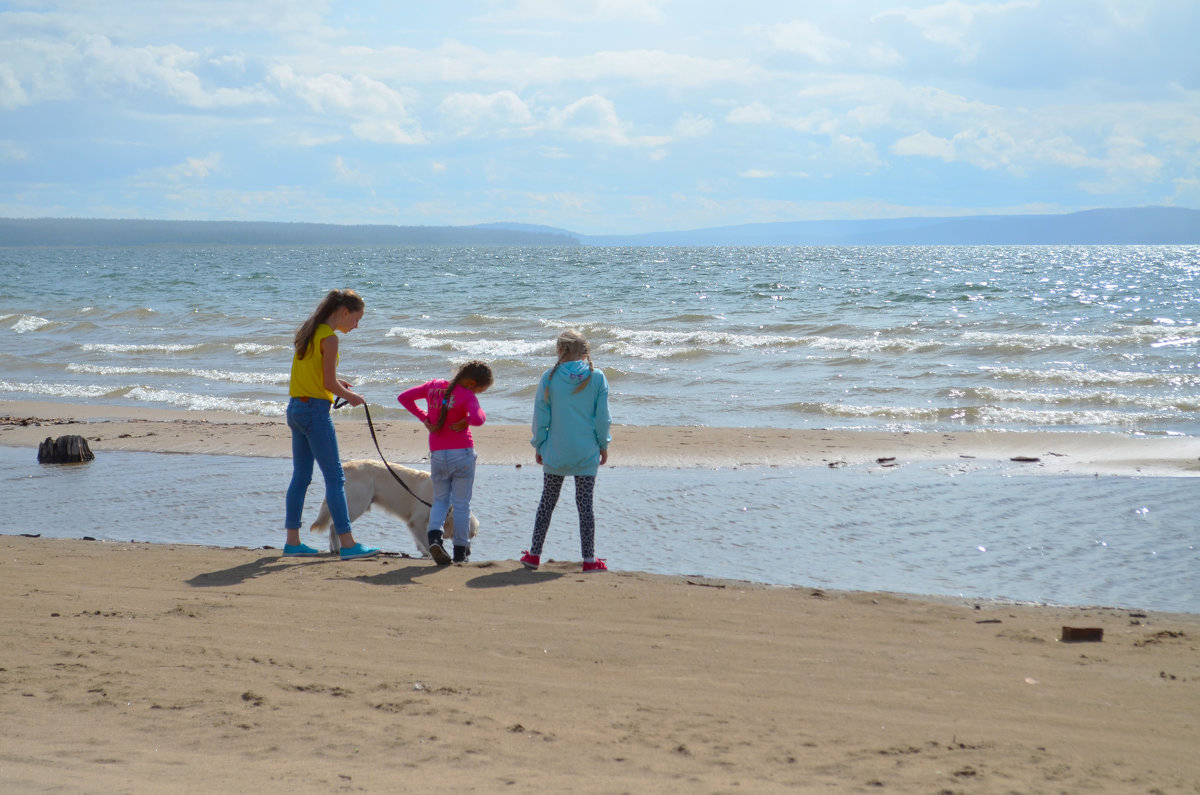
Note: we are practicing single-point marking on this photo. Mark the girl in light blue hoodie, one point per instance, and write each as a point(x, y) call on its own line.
point(570, 437)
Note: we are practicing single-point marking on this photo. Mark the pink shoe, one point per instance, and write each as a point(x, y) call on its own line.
point(596, 565)
point(531, 561)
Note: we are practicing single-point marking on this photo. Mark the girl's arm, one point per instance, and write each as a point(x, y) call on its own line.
point(541, 415)
point(329, 357)
point(475, 415)
point(603, 421)
point(409, 397)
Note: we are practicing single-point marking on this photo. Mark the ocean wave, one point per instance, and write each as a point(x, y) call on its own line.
point(105, 347)
point(874, 344)
point(1175, 342)
point(225, 376)
point(988, 415)
point(649, 352)
point(469, 344)
point(1021, 342)
point(58, 390)
point(1074, 377)
point(27, 323)
point(1103, 397)
point(195, 402)
point(1134, 337)
point(256, 348)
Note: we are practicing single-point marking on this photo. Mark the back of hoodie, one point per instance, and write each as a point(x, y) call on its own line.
point(571, 428)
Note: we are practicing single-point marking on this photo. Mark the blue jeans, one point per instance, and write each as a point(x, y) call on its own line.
point(453, 473)
point(313, 439)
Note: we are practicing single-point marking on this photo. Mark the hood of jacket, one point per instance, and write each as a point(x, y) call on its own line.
point(573, 373)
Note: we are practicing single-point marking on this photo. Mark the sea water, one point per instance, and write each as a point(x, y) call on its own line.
point(949, 529)
point(1073, 337)
point(1091, 339)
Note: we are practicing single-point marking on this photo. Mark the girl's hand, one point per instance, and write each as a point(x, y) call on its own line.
point(429, 426)
point(538, 456)
point(603, 457)
point(458, 426)
point(353, 398)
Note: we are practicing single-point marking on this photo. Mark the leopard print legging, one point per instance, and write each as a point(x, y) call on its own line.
point(585, 487)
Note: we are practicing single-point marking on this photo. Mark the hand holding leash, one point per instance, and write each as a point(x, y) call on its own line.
point(337, 404)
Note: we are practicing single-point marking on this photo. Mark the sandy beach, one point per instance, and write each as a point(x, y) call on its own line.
point(160, 667)
point(26, 423)
point(164, 668)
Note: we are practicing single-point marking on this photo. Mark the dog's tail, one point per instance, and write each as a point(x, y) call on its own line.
point(323, 520)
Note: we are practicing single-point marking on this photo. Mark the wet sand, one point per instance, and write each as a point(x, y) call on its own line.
point(156, 430)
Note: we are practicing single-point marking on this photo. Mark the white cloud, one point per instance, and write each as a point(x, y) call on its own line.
point(382, 131)
point(166, 68)
point(984, 148)
point(692, 125)
point(757, 173)
point(804, 38)
point(584, 11)
point(12, 94)
point(924, 144)
point(950, 23)
point(754, 113)
point(190, 172)
point(499, 111)
point(594, 118)
point(346, 174)
point(377, 112)
point(12, 151)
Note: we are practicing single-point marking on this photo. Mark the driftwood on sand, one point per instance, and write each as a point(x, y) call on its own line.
point(64, 450)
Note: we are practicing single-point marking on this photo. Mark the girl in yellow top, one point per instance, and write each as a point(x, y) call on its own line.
point(313, 387)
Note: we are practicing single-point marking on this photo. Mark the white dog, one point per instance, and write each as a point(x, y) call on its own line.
point(368, 483)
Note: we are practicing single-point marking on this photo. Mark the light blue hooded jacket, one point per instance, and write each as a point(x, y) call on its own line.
point(571, 428)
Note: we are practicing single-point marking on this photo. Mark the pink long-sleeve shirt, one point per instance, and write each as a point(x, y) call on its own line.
point(463, 403)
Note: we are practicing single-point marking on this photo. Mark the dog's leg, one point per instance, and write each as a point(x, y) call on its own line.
point(323, 521)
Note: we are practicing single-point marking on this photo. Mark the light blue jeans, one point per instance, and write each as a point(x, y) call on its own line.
point(314, 440)
point(453, 473)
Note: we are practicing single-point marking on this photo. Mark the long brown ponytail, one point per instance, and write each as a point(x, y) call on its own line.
point(335, 300)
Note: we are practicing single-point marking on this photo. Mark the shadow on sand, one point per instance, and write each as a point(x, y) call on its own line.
point(248, 571)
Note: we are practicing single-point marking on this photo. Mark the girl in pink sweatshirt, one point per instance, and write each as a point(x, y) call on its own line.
point(451, 407)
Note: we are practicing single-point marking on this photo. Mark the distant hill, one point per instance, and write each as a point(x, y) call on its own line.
point(1136, 225)
point(107, 232)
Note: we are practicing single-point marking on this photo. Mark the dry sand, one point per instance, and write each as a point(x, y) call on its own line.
point(169, 668)
point(165, 668)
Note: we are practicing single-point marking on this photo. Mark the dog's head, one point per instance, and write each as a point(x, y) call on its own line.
point(474, 526)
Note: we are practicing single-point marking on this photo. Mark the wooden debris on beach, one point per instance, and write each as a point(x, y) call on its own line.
point(64, 450)
point(1082, 634)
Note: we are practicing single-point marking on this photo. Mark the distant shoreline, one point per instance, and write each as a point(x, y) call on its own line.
point(135, 428)
point(1108, 226)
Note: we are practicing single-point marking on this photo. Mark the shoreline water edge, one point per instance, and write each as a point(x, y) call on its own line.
point(139, 428)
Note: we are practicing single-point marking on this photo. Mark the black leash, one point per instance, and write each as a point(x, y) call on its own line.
point(337, 404)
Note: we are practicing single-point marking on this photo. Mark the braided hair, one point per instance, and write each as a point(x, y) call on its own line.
point(571, 346)
point(477, 371)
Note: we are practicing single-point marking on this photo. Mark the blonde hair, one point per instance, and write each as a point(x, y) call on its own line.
point(333, 301)
point(571, 346)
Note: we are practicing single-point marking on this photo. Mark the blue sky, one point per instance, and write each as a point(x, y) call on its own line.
point(599, 116)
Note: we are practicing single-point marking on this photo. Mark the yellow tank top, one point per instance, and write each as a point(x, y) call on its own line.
point(308, 374)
